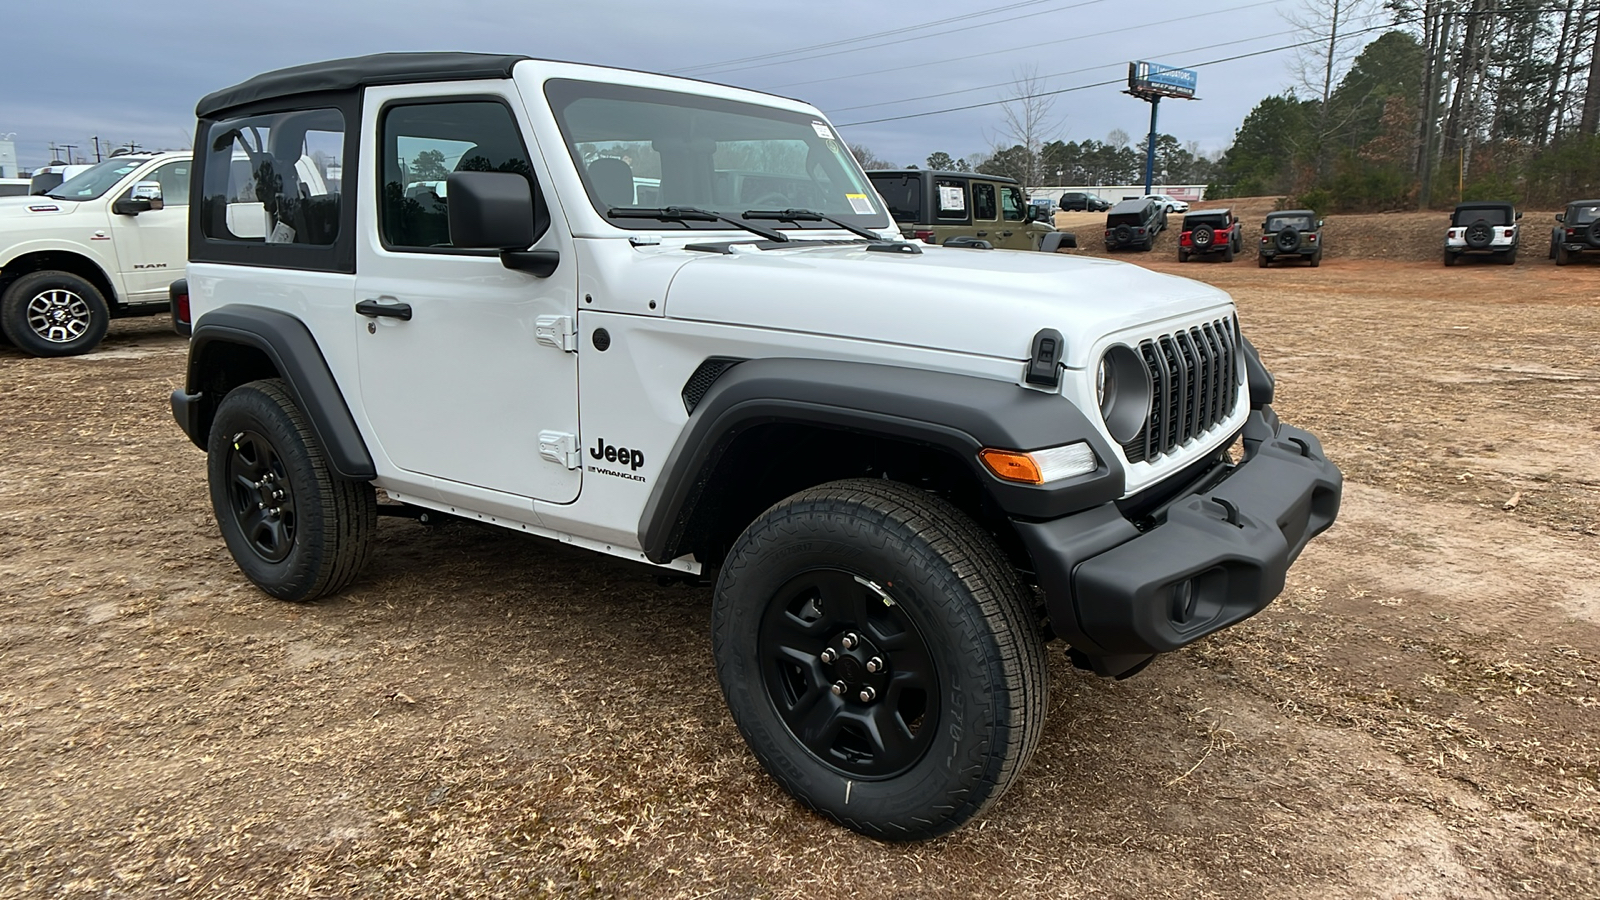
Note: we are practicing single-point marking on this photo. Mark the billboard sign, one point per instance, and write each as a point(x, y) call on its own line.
point(1148, 78)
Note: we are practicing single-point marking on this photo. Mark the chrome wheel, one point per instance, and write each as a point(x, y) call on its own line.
point(58, 316)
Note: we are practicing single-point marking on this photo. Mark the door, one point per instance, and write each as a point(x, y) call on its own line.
point(951, 213)
point(153, 246)
point(985, 212)
point(1014, 233)
point(463, 388)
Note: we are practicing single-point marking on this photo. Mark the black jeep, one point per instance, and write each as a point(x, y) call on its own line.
point(1134, 223)
point(1291, 234)
point(1578, 231)
point(1210, 231)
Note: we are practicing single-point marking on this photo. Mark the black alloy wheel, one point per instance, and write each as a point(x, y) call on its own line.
point(1593, 234)
point(1288, 240)
point(880, 656)
point(1123, 234)
point(849, 674)
point(260, 496)
point(294, 528)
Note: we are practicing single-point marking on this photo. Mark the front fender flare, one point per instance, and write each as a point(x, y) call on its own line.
point(958, 413)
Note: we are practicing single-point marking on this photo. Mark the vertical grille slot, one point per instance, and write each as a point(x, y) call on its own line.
point(1194, 385)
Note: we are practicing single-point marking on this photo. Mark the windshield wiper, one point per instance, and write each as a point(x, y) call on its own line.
point(796, 216)
point(691, 214)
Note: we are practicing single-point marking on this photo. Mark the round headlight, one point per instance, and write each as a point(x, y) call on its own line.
point(1122, 389)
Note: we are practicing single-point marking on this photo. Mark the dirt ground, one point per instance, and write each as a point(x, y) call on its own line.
point(487, 715)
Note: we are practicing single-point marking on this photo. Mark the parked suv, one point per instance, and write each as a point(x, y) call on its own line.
point(101, 245)
point(1291, 234)
point(896, 460)
point(936, 206)
point(1578, 231)
point(1083, 202)
point(1211, 231)
point(1483, 228)
point(1134, 223)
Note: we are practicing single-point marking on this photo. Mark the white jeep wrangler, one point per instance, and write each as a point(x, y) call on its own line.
point(105, 243)
point(908, 467)
point(1482, 228)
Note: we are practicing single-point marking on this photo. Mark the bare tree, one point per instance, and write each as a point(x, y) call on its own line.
point(1319, 67)
point(1118, 139)
point(1029, 121)
point(868, 159)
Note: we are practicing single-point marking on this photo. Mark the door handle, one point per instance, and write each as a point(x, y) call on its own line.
point(375, 307)
point(1005, 234)
point(983, 234)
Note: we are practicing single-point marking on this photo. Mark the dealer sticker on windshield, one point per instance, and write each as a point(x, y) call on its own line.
point(822, 131)
point(859, 204)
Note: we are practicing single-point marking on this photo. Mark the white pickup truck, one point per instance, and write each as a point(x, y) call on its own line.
point(105, 243)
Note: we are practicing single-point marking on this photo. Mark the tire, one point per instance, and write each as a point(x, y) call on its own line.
point(918, 586)
point(1316, 259)
point(1563, 255)
point(1183, 255)
point(1227, 253)
point(1509, 258)
point(1261, 260)
point(262, 450)
point(1552, 248)
point(54, 313)
point(1449, 258)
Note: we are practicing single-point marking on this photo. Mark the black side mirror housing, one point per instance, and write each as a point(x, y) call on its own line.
point(495, 211)
point(1561, 217)
point(144, 196)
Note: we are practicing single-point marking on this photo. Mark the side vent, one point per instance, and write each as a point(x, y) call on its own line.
point(694, 390)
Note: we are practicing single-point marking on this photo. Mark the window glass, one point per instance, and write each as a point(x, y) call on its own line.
point(1490, 215)
point(174, 180)
point(903, 193)
point(97, 179)
point(1299, 223)
point(1583, 215)
point(423, 144)
point(642, 148)
point(274, 178)
point(951, 196)
point(983, 202)
point(1011, 203)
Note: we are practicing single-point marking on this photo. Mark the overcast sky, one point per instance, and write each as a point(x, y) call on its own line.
point(133, 71)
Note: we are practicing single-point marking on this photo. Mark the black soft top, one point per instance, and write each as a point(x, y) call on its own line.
point(1485, 204)
point(941, 173)
point(358, 72)
point(1207, 214)
point(1130, 205)
point(1286, 213)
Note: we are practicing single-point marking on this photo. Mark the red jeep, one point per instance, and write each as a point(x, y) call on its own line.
point(1210, 231)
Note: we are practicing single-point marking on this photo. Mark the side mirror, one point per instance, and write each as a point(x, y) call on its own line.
point(144, 196)
point(1561, 217)
point(1519, 215)
point(495, 211)
point(1263, 228)
point(1319, 222)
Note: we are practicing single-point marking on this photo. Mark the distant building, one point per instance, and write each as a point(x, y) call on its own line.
point(8, 159)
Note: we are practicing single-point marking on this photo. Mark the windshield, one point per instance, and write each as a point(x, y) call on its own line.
point(1298, 223)
point(642, 148)
point(1583, 215)
point(97, 180)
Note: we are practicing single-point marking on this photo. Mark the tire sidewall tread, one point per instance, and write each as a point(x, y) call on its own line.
point(14, 314)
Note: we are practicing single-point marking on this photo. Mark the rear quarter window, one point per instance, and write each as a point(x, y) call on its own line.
point(903, 194)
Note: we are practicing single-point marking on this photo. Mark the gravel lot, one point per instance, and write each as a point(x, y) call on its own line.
point(488, 715)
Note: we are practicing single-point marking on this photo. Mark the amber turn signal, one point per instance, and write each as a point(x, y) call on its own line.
point(1010, 465)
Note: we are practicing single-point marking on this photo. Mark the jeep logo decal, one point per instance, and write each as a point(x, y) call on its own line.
point(633, 458)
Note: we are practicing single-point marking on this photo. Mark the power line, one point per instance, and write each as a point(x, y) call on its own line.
point(947, 60)
point(854, 40)
point(921, 37)
point(1119, 64)
point(1084, 87)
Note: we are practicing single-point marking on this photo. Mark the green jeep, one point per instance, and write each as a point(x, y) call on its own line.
point(935, 206)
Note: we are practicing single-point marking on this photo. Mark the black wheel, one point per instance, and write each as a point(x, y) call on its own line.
point(1479, 234)
point(1552, 248)
point(878, 654)
point(1183, 255)
point(1227, 253)
point(293, 528)
point(1563, 255)
point(1261, 260)
point(1509, 258)
point(1316, 259)
point(1449, 258)
point(1288, 240)
point(54, 314)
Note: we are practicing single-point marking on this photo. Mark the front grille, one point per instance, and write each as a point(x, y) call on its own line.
point(1194, 385)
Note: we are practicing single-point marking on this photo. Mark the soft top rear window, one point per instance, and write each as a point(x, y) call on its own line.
point(902, 191)
point(1494, 215)
point(1124, 219)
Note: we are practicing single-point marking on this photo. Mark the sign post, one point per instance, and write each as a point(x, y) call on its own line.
point(1150, 82)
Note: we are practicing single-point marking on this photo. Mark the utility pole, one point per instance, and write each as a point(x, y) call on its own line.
point(69, 148)
point(55, 156)
point(97, 148)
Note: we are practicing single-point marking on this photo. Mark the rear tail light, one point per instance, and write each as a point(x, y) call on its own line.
point(925, 236)
point(1138, 231)
point(1311, 237)
point(1507, 231)
point(1572, 232)
point(178, 304)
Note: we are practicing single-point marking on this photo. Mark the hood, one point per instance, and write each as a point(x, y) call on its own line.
point(16, 210)
point(984, 302)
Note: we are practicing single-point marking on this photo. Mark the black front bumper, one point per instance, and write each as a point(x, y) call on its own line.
point(1213, 557)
